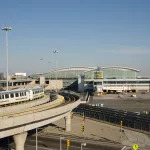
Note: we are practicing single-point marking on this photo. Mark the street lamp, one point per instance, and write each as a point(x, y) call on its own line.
point(61, 138)
point(49, 65)
point(82, 144)
point(56, 52)
point(36, 138)
point(123, 147)
point(36, 132)
point(7, 29)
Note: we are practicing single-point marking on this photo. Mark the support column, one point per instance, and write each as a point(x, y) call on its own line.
point(68, 122)
point(19, 140)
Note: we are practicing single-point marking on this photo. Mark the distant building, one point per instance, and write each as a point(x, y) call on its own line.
point(68, 75)
point(20, 74)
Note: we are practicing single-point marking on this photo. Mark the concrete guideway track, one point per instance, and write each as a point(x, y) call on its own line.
point(54, 104)
point(38, 108)
point(23, 105)
point(24, 121)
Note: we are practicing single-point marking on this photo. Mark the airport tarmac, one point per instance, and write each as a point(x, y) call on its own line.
point(139, 103)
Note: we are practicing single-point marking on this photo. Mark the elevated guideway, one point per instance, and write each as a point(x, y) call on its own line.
point(17, 124)
point(13, 108)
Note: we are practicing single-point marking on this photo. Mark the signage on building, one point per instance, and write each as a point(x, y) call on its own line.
point(99, 76)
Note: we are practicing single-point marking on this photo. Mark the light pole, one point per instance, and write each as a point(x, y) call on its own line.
point(123, 147)
point(36, 130)
point(36, 139)
point(61, 138)
point(7, 29)
point(56, 52)
point(82, 144)
point(49, 65)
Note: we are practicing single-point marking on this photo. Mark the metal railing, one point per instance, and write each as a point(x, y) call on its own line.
point(129, 119)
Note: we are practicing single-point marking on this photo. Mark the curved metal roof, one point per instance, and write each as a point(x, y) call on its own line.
point(118, 67)
point(113, 67)
point(72, 69)
point(67, 73)
point(73, 72)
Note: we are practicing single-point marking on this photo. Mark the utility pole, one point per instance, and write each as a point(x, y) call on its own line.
point(56, 52)
point(36, 139)
point(7, 29)
point(61, 138)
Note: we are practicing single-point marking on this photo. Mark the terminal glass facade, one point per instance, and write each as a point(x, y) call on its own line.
point(115, 79)
point(110, 73)
point(68, 74)
point(114, 73)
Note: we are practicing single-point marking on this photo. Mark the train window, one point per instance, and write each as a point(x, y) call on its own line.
point(1, 96)
point(17, 94)
point(6, 95)
point(12, 95)
point(24, 93)
point(21, 94)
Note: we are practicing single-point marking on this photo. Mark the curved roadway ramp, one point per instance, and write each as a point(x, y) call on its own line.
point(17, 124)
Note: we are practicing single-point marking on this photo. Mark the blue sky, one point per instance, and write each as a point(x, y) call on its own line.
point(85, 32)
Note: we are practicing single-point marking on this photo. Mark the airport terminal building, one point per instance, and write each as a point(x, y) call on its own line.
point(69, 76)
point(113, 79)
point(100, 79)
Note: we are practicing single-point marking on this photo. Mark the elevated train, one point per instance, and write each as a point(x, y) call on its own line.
point(21, 95)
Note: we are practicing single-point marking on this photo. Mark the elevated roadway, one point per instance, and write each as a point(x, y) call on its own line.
point(17, 124)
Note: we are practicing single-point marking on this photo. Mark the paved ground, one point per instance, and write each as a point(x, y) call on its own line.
point(125, 102)
point(100, 133)
point(97, 135)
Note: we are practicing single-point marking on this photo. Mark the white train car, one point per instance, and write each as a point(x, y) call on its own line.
point(20, 95)
point(37, 92)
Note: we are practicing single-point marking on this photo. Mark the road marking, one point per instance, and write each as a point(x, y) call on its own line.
point(123, 147)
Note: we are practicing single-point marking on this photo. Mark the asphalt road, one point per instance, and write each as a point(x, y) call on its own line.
point(52, 143)
point(132, 104)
